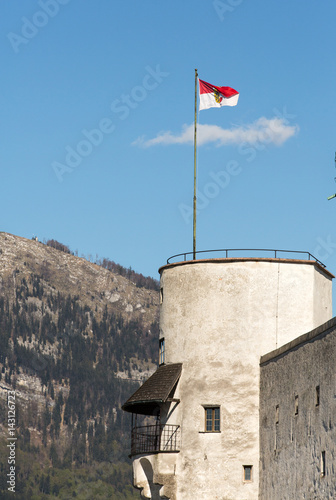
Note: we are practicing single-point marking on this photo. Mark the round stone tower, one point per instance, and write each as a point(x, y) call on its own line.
point(217, 317)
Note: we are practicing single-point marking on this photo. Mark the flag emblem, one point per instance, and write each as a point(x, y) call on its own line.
point(217, 97)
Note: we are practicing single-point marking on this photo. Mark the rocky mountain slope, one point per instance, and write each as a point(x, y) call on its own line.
point(67, 274)
point(75, 341)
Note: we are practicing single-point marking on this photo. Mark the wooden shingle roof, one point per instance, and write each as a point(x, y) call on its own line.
point(155, 391)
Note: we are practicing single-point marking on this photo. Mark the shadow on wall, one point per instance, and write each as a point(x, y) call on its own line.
point(144, 481)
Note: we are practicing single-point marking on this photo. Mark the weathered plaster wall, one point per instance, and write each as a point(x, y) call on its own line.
point(291, 449)
point(322, 298)
point(217, 318)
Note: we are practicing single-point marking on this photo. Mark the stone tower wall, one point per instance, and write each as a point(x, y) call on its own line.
point(217, 318)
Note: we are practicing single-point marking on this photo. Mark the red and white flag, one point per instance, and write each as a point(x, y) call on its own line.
point(215, 97)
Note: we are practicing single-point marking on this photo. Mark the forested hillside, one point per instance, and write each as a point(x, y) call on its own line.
point(76, 339)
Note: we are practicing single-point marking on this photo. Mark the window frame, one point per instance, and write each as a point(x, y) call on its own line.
point(245, 468)
point(215, 422)
point(162, 351)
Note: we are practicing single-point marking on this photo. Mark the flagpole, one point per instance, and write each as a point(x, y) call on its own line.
point(195, 136)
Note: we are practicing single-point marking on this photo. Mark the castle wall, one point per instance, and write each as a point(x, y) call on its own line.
point(298, 418)
point(218, 318)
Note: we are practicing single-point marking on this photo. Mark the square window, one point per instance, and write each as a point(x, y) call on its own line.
point(247, 473)
point(212, 419)
point(162, 352)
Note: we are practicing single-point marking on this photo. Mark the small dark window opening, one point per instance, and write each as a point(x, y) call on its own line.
point(247, 473)
point(161, 295)
point(323, 464)
point(317, 395)
point(296, 407)
point(277, 414)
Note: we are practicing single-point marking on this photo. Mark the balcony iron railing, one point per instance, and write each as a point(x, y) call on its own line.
point(155, 439)
point(239, 252)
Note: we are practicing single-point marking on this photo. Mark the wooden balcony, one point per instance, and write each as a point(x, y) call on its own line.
point(155, 439)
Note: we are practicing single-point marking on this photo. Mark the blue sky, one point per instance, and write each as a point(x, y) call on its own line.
point(86, 87)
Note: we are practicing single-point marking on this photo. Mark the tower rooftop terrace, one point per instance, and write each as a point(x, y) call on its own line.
point(245, 254)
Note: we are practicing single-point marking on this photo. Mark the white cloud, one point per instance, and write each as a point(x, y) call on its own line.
point(263, 131)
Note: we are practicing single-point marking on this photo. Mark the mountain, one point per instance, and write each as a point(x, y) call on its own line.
point(76, 339)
